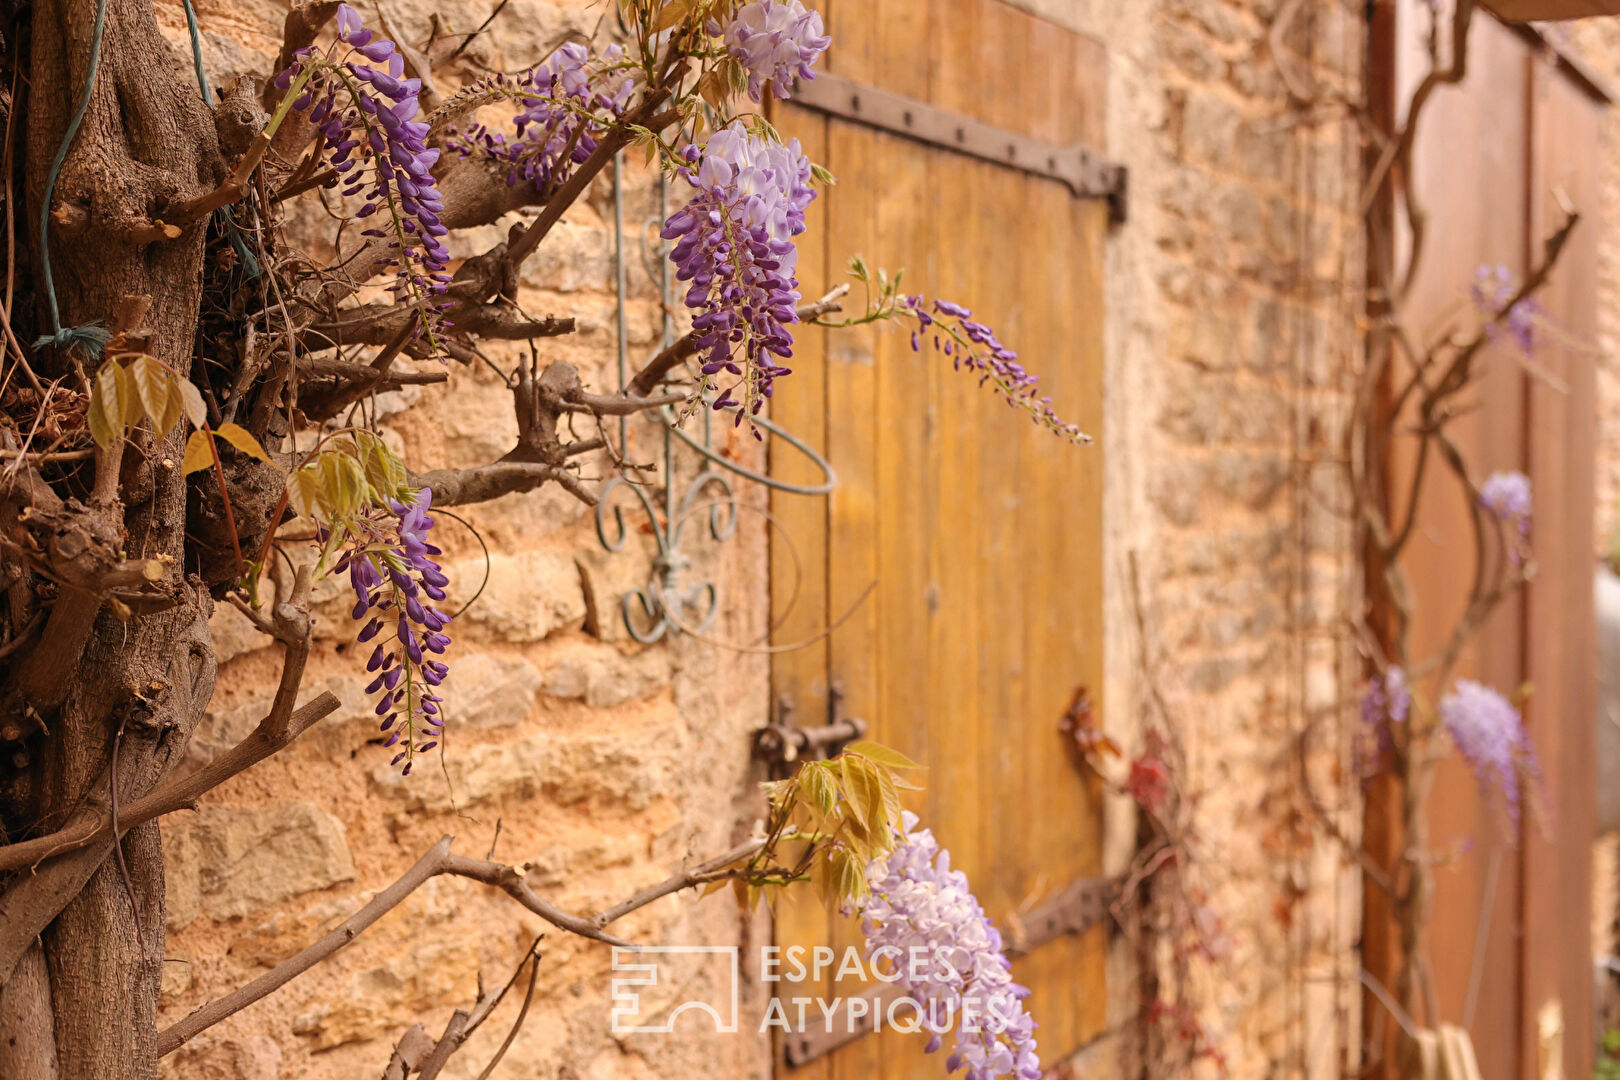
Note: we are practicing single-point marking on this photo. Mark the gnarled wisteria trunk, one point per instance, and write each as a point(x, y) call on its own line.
point(81, 966)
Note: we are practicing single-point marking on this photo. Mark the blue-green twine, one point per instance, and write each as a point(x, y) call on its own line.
point(249, 264)
point(244, 255)
point(196, 54)
point(93, 339)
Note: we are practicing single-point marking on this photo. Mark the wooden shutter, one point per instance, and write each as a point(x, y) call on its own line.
point(981, 532)
point(1509, 936)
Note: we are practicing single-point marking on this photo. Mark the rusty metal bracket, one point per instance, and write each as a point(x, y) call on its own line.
point(1088, 174)
point(780, 744)
point(1080, 906)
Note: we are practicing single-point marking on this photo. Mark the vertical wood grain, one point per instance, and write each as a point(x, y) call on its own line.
point(1560, 631)
point(982, 532)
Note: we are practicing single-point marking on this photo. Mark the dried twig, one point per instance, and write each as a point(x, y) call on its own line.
point(441, 860)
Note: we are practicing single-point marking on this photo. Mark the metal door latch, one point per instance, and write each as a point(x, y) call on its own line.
point(780, 744)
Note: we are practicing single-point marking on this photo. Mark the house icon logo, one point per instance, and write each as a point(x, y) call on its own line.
point(655, 985)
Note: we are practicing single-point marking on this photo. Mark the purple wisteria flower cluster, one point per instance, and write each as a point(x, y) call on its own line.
point(774, 41)
point(734, 243)
point(1490, 736)
point(569, 102)
point(1493, 289)
point(391, 568)
point(1386, 703)
point(356, 95)
point(918, 902)
point(972, 346)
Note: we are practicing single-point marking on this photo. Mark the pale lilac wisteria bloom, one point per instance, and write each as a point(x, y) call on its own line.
point(734, 243)
point(1507, 495)
point(1492, 290)
point(774, 40)
point(1490, 736)
point(958, 975)
point(366, 111)
point(1386, 702)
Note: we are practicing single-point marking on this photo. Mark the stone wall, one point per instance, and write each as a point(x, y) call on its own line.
point(1232, 294)
point(1234, 290)
point(597, 763)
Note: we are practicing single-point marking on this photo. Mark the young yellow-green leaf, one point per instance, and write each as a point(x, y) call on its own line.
point(384, 472)
point(105, 416)
point(199, 455)
point(341, 484)
point(764, 127)
point(191, 403)
point(821, 874)
point(671, 13)
point(778, 791)
point(155, 389)
point(891, 805)
point(859, 849)
point(864, 793)
point(151, 389)
point(712, 89)
point(304, 492)
point(129, 396)
point(849, 875)
point(243, 440)
point(881, 754)
point(819, 789)
point(735, 75)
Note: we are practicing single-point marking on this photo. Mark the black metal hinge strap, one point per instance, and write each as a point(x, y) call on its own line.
point(1088, 174)
point(1076, 909)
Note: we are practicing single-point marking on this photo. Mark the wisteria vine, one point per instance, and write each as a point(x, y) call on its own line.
point(1492, 292)
point(972, 346)
point(775, 43)
point(1489, 734)
point(355, 94)
point(569, 101)
point(734, 243)
point(396, 581)
point(919, 906)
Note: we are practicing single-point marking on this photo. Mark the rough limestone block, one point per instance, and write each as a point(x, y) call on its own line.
point(225, 862)
point(603, 677)
point(486, 691)
point(529, 595)
point(232, 633)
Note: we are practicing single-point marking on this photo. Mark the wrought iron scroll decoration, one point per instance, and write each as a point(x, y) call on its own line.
point(670, 602)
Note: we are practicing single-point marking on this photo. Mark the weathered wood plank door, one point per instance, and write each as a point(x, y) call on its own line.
point(981, 532)
point(1509, 946)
